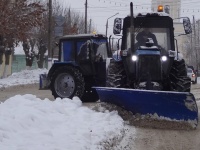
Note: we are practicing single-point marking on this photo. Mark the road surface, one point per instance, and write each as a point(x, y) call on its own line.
point(135, 138)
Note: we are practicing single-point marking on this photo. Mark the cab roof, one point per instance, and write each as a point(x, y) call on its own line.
point(82, 36)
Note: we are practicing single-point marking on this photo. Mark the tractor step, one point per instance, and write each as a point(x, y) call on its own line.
point(43, 82)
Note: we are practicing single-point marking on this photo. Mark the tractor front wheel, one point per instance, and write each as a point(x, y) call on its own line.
point(116, 75)
point(178, 77)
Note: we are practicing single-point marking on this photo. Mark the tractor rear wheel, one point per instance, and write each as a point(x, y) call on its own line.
point(116, 76)
point(178, 77)
point(67, 82)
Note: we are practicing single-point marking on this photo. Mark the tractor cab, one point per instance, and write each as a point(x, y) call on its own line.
point(83, 47)
point(87, 51)
point(158, 24)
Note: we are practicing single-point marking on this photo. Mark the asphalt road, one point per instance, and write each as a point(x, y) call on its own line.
point(25, 89)
point(42, 94)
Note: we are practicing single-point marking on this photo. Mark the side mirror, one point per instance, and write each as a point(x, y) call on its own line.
point(187, 25)
point(117, 26)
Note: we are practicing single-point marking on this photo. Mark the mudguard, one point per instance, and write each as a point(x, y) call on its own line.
point(168, 104)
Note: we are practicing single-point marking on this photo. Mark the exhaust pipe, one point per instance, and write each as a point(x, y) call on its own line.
point(132, 28)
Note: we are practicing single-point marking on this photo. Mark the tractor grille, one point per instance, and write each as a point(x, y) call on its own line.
point(149, 67)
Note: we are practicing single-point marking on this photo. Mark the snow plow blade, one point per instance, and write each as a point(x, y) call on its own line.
point(179, 106)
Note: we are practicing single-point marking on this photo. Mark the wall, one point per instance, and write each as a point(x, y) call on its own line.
point(8, 69)
point(19, 63)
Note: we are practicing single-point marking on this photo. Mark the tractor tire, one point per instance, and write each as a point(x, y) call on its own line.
point(180, 82)
point(116, 75)
point(67, 82)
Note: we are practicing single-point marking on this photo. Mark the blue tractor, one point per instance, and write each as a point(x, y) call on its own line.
point(81, 64)
point(148, 75)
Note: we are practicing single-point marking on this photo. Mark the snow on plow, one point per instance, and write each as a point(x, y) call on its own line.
point(170, 106)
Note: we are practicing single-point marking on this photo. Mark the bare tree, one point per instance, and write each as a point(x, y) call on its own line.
point(16, 21)
point(18, 18)
point(73, 24)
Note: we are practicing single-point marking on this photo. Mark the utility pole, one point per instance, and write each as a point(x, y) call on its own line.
point(198, 48)
point(195, 44)
point(86, 16)
point(90, 25)
point(192, 48)
point(50, 30)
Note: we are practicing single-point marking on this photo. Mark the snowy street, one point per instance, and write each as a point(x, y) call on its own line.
point(24, 110)
point(99, 75)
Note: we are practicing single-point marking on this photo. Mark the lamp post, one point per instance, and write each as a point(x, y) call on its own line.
point(49, 28)
point(107, 22)
point(86, 16)
point(50, 56)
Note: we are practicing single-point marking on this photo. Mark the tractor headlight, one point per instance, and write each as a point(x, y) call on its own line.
point(164, 58)
point(134, 58)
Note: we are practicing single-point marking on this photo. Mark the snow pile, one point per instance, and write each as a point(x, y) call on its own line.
point(23, 77)
point(30, 123)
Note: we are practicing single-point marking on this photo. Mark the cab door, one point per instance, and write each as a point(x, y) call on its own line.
point(83, 57)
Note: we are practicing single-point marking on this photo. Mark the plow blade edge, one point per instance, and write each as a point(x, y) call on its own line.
point(172, 105)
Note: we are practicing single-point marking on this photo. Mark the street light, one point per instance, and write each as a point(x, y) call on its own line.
point(107, 22)
point(50, 53)
point(50, 29)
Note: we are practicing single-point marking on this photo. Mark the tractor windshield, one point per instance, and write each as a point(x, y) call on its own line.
point(92, 49)
point(160, 37)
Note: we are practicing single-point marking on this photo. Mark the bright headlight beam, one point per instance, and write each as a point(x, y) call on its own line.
point(164, 58)
point(134, 58)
